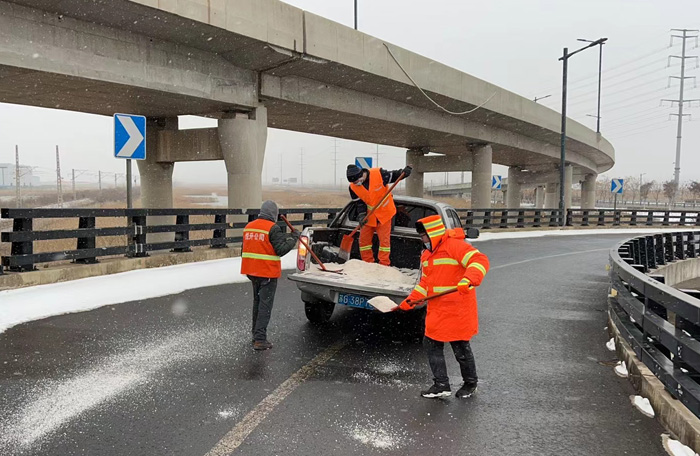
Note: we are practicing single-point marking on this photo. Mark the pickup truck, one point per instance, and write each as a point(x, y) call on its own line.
point(321, 291)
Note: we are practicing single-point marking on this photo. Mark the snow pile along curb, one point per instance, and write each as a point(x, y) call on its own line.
point(28, 304)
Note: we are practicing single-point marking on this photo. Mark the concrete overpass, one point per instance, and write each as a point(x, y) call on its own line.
point(258, 63)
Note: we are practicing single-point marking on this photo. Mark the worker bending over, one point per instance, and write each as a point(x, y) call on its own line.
point(367, 187)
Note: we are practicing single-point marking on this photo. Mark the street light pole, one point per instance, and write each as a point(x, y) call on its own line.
point(640, 188)
point(562, 165)
point(355, 14)
point(600, 75)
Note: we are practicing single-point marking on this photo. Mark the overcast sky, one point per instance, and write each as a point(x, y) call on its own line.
point(514, 44)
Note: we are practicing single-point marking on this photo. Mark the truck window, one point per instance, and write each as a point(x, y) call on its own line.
point(454, 217)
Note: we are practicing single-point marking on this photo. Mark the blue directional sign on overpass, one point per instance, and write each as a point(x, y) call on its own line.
point(130, 136)
point(496, 182)
point(364, 162)
point(617, 186)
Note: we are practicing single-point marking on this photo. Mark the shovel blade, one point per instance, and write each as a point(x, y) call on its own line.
point(345, 247)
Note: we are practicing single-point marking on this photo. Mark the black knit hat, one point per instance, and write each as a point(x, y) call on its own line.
point(353, 173)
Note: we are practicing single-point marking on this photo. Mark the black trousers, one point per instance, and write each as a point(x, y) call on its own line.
point(263, 298)
point(463, 354)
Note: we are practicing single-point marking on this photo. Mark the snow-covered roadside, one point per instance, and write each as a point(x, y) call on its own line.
point(33, 303)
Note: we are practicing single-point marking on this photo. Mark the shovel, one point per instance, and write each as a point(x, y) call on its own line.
point(308, 249)
point(385, 304)
point(348, 239)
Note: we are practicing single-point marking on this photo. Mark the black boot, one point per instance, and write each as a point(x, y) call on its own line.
point(437, 390)
point(467, 390)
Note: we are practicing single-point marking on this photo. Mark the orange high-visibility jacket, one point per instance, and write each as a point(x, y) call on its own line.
point(454, 316)
point(371, 197)
point(258, 257)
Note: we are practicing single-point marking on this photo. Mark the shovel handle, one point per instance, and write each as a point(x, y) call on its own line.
point(291, 227)
point(381, 201)
point(436, 295)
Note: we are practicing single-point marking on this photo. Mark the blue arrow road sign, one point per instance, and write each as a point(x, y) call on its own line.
point(364, 162)
point(496, 182)
point(617, 186)
point(129, 136)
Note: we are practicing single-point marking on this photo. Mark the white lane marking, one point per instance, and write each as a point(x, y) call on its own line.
point(247, 425)
point(546, 258)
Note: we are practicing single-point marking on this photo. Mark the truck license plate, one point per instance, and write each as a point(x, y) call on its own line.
point(353, 300)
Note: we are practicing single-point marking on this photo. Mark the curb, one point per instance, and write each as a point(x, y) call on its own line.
point(11, 280)
point(670, 412)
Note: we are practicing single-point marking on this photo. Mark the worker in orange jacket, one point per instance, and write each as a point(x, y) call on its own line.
point(367, 187)
point(264, 244)
point(448, 262)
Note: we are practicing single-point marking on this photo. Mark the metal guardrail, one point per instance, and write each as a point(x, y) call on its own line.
point(135, 228)
point(661, 323)
point(23, 237)
point(534, 218)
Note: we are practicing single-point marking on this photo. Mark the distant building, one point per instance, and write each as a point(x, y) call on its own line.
point(8, 176)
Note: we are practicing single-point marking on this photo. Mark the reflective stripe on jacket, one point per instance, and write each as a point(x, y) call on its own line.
point(373, 195)
point(258, 257)
point(454, 316)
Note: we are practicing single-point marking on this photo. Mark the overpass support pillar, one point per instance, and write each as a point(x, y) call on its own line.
point(157, 178)
point(481, 176)
point(539, 197)
point(513, 193)
point(588, 192)
point(551, 196)
point(243, 141)
point(414, 184)
point(568, 182)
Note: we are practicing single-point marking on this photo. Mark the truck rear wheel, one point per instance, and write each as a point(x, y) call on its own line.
point(318, 312)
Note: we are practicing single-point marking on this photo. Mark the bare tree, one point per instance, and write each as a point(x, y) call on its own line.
point(644, 190)
point(694, 188)
point(670, 189)
point(656, 189)
point(603, 188)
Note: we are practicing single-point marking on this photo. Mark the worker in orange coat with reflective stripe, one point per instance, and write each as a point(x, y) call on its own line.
point(367, 187)
point(448, 262)
point(264, 244)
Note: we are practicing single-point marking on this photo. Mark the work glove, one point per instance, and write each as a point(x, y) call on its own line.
point(407, 171)
point(361, 218)
point(405, 306)
point(464, 287)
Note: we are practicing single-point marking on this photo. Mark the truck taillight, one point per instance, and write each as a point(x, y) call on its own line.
point(301, 254)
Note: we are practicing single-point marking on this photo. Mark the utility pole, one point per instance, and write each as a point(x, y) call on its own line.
point(301, 166)
point(18, 192)
point(74, 195)
point(115, 180)
point(687, 34)
point(335, 162)
point(99, 180)
point(59, 186)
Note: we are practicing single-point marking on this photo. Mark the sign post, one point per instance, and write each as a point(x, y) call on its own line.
point(129, 143)
point(617, 186)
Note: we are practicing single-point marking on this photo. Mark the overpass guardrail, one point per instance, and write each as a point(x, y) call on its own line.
point(133, 226)
point(660, 323)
